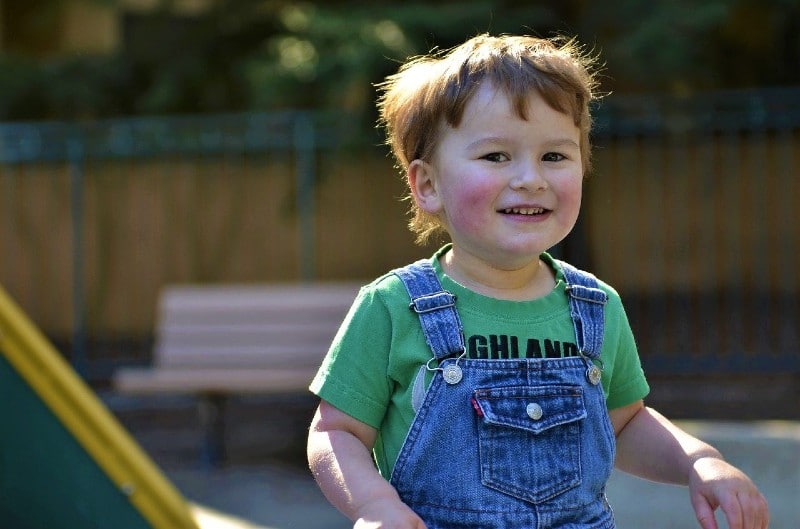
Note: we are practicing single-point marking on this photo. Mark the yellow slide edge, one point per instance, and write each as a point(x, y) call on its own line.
point(89, 421)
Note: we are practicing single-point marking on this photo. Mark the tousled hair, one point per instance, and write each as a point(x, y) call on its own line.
point(430, 90)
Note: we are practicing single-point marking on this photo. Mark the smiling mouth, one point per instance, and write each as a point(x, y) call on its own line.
point(524, 211)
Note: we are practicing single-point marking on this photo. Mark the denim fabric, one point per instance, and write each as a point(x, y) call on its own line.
point(521, 443)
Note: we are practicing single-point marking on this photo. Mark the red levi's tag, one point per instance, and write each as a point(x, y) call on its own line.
point(477, 407)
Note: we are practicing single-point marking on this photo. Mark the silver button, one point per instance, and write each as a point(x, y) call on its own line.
point(452, 374)
point(534, 411)
point(594, 374)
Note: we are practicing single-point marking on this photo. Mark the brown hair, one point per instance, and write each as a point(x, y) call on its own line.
point(434, 89)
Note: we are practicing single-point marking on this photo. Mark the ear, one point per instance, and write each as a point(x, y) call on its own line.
point(423, 185)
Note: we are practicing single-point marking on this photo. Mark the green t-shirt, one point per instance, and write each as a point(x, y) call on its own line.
point(370, 369)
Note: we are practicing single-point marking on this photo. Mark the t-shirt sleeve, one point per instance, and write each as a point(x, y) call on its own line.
point(353, 375)
point(627, 382)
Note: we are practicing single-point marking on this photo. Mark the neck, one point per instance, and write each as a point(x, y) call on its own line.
point(532, 280)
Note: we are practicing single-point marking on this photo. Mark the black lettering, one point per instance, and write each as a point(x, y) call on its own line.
point(498, 346)
point(503, 347)
point(570, 349)
point(477, 347)
point(534, 349)
point(552, 349)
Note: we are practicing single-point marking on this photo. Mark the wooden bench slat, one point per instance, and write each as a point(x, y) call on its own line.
point(316, 338)
point(255, 297)
point(225, 380)
point(217, 317)
point(301, 304)
point(240, 357)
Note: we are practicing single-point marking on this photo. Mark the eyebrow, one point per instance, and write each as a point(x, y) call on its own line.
point(490, 140)
point(485, 141)
point(563, 142)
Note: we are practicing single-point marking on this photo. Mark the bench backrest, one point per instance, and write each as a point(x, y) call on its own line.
point(243, 326)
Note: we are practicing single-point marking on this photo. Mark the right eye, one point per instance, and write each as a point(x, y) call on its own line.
point(496, 157)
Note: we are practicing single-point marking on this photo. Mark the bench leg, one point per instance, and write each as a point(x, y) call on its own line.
point(211, 408)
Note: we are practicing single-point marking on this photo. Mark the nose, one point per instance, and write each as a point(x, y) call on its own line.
point(529, 176)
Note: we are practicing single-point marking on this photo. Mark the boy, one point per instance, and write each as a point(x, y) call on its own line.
point(494, 386)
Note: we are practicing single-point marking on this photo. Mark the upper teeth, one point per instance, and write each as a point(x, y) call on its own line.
point(524, 211)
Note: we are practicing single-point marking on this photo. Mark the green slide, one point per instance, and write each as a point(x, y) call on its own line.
point(65, 461)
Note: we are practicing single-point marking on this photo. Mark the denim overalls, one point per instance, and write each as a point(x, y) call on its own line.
point(522, 443)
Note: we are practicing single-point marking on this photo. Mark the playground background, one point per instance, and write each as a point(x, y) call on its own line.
point(250, 155)
point(690, 211)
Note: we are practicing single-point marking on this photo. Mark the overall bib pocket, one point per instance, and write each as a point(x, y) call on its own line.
point(529, 439)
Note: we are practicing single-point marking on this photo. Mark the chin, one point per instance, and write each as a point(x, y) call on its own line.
point(528, 248)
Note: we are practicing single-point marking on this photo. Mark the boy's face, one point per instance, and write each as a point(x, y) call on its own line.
point(505, 188)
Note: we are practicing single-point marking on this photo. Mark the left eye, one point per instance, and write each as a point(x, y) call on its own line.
point(496, 157)
point(553, 157)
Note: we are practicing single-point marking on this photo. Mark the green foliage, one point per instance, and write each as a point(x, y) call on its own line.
point(331, 56)
point(265, 55)
point(19, 82)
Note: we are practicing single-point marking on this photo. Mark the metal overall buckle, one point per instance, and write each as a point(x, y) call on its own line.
point(451, 373)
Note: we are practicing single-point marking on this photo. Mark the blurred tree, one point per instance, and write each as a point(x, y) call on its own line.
point(270, 54)
point(332, 55)
point(684, 46)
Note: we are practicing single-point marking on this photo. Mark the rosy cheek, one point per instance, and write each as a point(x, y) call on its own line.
point(575, 194)
point(469, 207)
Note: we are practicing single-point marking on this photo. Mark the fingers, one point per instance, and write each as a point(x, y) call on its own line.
point(717, 484)
point(742, 511)
point(704, 512)
point(755, 512)
point(733, 512)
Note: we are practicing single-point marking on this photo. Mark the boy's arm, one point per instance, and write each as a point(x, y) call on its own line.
point(651, 447)
point(339, 455)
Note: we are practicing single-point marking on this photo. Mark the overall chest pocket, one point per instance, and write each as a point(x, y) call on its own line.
point(530, 439)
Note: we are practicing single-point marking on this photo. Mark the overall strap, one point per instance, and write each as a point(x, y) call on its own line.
point(435, 307)
point(586, 301)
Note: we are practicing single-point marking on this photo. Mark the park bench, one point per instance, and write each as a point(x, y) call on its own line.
point(216, 341)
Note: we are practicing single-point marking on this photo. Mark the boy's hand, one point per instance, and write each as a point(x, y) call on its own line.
point(714, 483)
point(388, 514)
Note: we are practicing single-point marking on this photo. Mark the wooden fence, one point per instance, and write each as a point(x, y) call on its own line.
point(690, 214)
